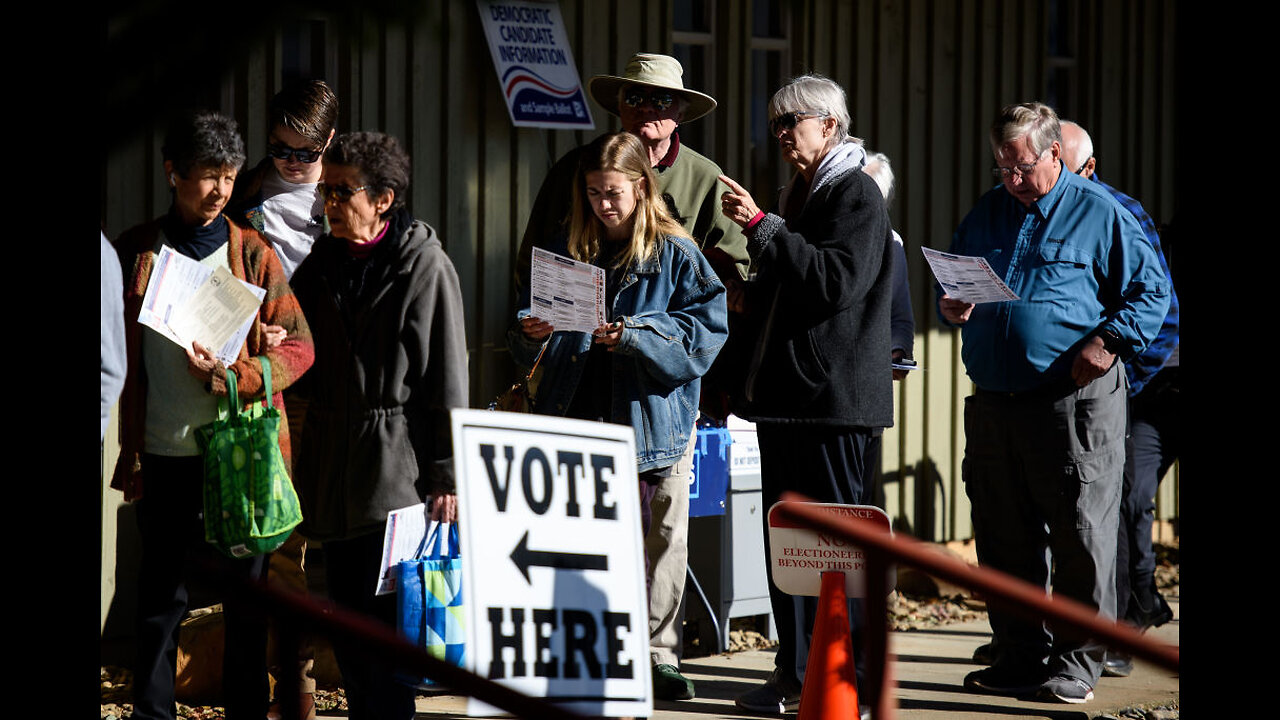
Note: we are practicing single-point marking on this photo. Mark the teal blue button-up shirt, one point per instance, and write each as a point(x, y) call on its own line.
point(1078, 262)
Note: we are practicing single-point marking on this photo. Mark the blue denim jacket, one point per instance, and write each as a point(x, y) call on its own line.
point(675, 321)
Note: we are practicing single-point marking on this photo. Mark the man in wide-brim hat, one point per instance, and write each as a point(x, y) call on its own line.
point(651, 101)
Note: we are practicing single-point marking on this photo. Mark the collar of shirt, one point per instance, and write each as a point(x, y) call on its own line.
point(670, 158)
point(1044, 206)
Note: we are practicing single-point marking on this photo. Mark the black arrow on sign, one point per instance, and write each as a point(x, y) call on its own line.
point(523, 557)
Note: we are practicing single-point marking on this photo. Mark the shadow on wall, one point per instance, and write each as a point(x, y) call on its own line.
point(919, 517)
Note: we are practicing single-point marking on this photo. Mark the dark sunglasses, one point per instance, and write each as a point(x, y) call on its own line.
point(658, 99)
point(339, 193)
point(284, 152)
point(787, 121)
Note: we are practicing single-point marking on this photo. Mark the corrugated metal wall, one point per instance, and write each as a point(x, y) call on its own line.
point(924, 80)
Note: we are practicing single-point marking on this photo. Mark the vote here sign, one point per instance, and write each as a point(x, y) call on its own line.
point(553, 564)
point(798, 555)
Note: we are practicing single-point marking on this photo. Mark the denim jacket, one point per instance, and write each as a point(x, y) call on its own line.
point(675, 321)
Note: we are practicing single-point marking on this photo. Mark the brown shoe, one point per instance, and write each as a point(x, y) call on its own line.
point(306, 703)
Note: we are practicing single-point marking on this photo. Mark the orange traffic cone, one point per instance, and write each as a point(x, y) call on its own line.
point(830, 691)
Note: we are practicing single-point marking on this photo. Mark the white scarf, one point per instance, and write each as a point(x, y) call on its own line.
point(848, 154)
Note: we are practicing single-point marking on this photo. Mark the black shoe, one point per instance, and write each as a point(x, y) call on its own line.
point(669, 684)
point(779, 694)
point(985, 654)
point(997, 680)
point(1117, 664)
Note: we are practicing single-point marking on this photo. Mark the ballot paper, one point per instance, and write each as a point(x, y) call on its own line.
point(967, 278)
point(188, 301)
point(403, 539)
point(566, 293)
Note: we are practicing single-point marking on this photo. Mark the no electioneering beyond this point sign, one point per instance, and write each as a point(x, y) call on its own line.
point(798, 555)
point(553, 560)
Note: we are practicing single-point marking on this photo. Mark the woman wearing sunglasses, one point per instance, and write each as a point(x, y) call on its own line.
point(816, 358)
point(665, 310)
point(386, 313)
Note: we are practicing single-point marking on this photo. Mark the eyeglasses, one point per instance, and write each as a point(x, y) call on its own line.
point(788, 121)
point(1082, 165)
point(658, 99)
point(1021, 169)
point(284, 152)
point(339, 193)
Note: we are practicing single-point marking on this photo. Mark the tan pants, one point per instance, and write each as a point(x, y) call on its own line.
point(667, 545)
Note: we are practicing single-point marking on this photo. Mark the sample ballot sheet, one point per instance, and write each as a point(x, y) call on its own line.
point(187, 300)
point(967, 278)
point(566, 293)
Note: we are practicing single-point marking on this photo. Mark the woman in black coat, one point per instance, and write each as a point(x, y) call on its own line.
point(815, 359)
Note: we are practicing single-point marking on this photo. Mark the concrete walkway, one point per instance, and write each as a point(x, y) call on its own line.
point(929, 669)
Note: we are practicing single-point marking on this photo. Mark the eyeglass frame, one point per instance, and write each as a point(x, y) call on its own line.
point(1004, 173)
point(1083, 164)
point(794, 118)
point(647, 98)
point(286, 153)
point(343, 196)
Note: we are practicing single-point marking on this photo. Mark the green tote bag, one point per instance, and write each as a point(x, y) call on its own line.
point(250, 506)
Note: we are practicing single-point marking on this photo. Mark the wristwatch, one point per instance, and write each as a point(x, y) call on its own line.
point(1111, 341)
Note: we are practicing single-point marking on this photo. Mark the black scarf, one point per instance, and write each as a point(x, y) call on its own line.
point(195, 241)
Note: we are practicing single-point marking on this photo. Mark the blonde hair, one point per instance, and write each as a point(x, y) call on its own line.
point(621, 152)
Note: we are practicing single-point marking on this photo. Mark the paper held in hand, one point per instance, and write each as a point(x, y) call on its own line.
point(565, 292)
point(188, 301)
point(967, 278)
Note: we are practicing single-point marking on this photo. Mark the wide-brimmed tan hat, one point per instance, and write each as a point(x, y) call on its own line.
point(651, 70)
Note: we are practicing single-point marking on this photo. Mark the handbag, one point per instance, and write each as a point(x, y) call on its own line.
point(250, 506)
point(517, 398)
point(430, 613)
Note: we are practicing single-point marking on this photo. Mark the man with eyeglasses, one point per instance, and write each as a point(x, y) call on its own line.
point(1154, 430)
point(651, 101)
point(1045, 426)
point(282, 199)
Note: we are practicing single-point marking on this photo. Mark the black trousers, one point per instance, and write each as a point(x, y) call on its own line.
point(1155, 440)
point(173, 555)
point(373, 691)
point(827, 464)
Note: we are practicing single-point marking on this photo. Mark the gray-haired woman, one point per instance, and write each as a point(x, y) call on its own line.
point(816, 364)
point(170, 391)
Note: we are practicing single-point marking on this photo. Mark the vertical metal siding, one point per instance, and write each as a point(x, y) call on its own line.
point(924, 79)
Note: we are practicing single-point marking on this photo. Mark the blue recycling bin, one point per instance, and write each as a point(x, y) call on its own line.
point(710, 472)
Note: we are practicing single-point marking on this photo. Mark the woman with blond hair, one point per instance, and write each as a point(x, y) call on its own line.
point(666, 311)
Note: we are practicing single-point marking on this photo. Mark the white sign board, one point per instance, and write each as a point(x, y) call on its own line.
point(798, 555)
point(553, 560)
point(534, 63)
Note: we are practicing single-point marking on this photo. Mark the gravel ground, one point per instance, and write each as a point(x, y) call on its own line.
point(905, 613)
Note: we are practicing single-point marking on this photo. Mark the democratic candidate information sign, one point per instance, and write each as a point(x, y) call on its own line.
point(535, 65)
point(553, 563)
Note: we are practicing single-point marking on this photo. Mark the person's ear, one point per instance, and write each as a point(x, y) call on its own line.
point(383, 201)
point(1089, 166)
point(169, 173)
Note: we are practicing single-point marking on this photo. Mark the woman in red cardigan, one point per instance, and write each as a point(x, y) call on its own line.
point(170, 391)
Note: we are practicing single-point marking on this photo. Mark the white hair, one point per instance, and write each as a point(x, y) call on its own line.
point(1035, 120)
point(1081, 150)
point(815, 93)
point(881, 171)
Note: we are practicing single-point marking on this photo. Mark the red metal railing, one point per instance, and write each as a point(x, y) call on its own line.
point(296, 613)
point(1026, 599)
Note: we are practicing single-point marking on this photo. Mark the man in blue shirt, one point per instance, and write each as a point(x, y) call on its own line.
point(1154, 430)
point(1045, 426)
